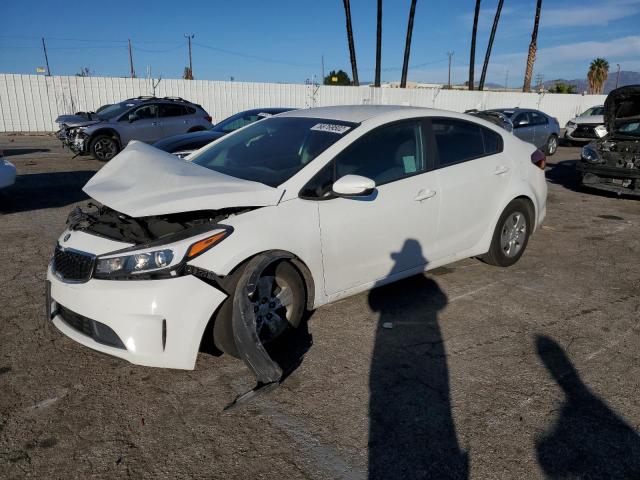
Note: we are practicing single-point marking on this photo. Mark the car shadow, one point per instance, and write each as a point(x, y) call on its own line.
point(44, 190)
point(411, 429)
point(12, 152)
point(588, 439)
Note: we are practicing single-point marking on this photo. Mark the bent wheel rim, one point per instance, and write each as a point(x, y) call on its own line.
point(513, 234)
point(273, 306)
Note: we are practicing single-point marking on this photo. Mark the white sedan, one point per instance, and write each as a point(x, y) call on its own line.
point(7, 172)
point(287, 214)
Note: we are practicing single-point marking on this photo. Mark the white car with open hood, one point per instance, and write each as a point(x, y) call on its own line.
point(284, 215)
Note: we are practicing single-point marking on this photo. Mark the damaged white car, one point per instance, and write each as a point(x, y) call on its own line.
point(284, 215)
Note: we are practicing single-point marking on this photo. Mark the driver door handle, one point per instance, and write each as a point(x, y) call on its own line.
point(500, 170)
point(424, 195)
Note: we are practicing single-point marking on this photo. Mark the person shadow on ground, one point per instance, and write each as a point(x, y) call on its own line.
point(412, 434)
point(588, 440)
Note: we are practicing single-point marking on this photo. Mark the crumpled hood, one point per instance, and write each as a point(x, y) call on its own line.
point(622, 106)
point(589, 120)
point(141, 181)
point(76, 120)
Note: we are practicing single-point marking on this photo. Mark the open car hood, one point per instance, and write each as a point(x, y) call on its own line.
point(622, 106)
point(142, 181)
point(77, 120)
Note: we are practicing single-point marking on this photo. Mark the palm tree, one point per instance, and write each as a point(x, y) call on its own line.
point(407, 46)
point(378, 44)
point(597, 76)
point(352, 48)
point(472, 59)
point(490, 45)
point(532, 50)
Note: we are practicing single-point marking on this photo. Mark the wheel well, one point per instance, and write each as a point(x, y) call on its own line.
point(299, 265)
point(531, 205)
point(106, 131)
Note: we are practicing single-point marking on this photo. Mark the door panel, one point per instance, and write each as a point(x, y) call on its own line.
point(146, 128)
point(368, 239)
point(173, 119)
point(541, 124)
point(526, 132)
point(473, 174)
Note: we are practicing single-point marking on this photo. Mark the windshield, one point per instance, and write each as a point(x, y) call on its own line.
point(114, 110)
point(273, 150)
point(593, 111)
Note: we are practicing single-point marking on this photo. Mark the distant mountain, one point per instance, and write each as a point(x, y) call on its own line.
point(626, 78)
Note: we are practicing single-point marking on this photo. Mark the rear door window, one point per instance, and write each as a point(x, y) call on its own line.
point(169, 110)
point(459, 141)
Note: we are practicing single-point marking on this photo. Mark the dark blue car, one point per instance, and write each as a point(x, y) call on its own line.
point(183, 145)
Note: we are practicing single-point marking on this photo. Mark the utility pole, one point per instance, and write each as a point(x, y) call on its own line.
point(450, 54)
point(376, 82)
point(46, 58)
point(133, 72)
point(506, 81)
point(322, 65)
point(618, 75)
point(189, 37)
point(539, 78)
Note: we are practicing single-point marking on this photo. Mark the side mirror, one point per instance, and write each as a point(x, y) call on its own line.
point(132, 117)
point(353, 186)
point(522, 123)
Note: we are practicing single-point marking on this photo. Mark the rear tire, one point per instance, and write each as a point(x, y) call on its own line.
point(552, 145)
point(511, 235)
point(279, 305)
point(104, 148)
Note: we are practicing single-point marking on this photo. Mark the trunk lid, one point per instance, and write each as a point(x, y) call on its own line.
point(142, 181)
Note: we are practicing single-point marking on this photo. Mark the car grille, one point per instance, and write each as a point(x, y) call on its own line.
point(584, 131)
point(96, 330)
point(72, 265)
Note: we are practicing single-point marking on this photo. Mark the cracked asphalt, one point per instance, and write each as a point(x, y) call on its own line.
point(527, 372)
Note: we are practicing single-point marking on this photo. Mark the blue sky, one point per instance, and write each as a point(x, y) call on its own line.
point(283, 40)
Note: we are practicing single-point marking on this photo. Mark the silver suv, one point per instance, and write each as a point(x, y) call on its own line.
point(104, 133)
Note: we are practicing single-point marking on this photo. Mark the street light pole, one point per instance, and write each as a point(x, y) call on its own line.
point(618, 75)
point(189, 37)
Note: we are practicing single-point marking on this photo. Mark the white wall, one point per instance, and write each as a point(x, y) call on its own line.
point(30, 103)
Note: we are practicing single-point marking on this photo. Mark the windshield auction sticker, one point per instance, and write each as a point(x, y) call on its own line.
point(331, 128)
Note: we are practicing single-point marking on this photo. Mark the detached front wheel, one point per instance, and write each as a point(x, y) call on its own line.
point(278, 304)
point(104, 148)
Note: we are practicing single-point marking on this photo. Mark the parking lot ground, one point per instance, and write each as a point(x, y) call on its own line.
point(527, 372)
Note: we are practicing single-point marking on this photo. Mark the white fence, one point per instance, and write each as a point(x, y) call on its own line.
point(31, 103)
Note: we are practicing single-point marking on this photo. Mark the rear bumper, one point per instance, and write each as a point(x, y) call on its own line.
point(156, 323)
point(618, 180)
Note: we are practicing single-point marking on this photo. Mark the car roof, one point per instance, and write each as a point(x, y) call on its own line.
point(143, 99)
point(349, 113)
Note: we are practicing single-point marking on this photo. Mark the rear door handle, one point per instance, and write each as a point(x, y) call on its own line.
point(424, 195)
point(500, 170)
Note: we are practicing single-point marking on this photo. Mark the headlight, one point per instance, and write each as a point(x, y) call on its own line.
point(146, 263)
point(591, 155)
point(570, 124)
point(130, 265)
point(600, 130)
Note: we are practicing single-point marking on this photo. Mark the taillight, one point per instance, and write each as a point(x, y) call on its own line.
point(538, 159)
point(208, 118)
